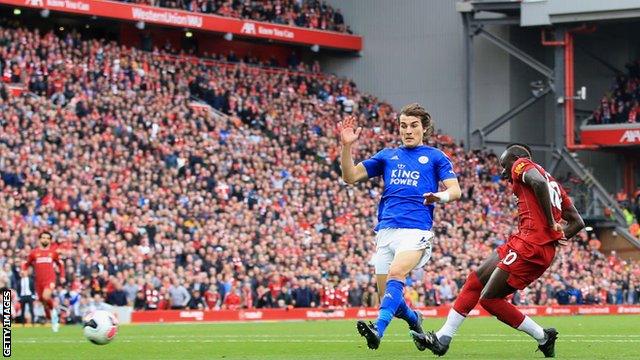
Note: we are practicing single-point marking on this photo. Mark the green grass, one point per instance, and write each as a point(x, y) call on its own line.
point(595, 337)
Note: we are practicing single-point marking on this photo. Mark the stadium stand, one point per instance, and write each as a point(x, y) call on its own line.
point(621, 105)
point(313, 14)
point(150, 196)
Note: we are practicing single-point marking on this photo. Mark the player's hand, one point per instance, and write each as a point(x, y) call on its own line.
point(557, 228)
point(348, 131)
point(430, 198)
point(63, 281)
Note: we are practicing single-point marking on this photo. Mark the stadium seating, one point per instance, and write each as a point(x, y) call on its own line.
point(146, 194)
point(315, 14)
point(621, 105)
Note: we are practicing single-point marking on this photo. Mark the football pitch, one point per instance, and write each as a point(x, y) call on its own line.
point(581, 337)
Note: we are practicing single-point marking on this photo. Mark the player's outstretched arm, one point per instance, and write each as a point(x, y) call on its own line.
point(351, 173)
point(540, 188)
point(574, 221)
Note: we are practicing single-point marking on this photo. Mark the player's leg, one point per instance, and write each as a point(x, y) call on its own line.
point(381, 281)
point(417, 242)
point(493, 300)
point(393, 298)
point(51, 306)
point(382, 262)
point(438, 342)
point(401, 265)
point(40, 291)
point(468, 297)
point(45, 298)
point(403, 312)
point(421, 241)
point(514, 272)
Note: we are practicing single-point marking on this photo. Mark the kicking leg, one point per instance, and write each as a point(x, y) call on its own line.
point(493, 300)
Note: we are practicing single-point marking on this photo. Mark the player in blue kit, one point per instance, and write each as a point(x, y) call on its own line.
point(412, 173)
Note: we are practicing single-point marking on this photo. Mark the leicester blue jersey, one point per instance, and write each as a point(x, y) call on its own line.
point(408, 174)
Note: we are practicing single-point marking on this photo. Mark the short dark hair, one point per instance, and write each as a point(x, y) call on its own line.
point(520, 150)
point(421, 113)
point(45, 232)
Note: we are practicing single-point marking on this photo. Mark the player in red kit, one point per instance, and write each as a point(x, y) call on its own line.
point(542, 205)
point(42, 259)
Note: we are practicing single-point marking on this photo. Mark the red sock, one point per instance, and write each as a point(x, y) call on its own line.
point(504, 311)
point(469, 295)
point(48, 306)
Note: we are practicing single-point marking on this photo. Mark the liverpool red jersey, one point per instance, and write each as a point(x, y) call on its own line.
point(532, 222)
point(42, 261)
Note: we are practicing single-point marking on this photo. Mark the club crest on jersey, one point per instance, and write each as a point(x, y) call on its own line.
point(400, 176)
point(519, 168)
point(423, 159)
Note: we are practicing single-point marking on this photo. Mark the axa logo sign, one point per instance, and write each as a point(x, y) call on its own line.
point(630, 136)
point(248, 28)
point(34, 2)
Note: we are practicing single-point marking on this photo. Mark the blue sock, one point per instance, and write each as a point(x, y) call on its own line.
point(405, 313)
point(392, 298)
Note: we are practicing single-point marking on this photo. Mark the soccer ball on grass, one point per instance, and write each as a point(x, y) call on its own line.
point(100, 327)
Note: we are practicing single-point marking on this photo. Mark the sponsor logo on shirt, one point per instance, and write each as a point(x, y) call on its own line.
point(400, 176)
point(395, 157)
point(44, 259)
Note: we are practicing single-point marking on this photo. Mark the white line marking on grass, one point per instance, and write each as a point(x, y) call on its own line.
point(340, 336)
point(320, 340)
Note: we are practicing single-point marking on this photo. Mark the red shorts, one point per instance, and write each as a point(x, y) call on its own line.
point(41, 287)
point(524, 261)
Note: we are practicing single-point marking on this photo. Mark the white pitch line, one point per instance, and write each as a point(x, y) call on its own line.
point(340, 336)
point(320, 340)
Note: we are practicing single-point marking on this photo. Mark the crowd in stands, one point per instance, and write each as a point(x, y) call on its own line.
point(158, 204)
point(622, 103)
point(631, 210)
point(314, 14)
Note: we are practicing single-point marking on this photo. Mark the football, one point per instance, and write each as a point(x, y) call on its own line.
point(100, 327)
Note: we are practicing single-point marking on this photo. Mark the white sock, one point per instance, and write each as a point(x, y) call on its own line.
point(54, 316)
point(533, 329)
point(454, 320)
